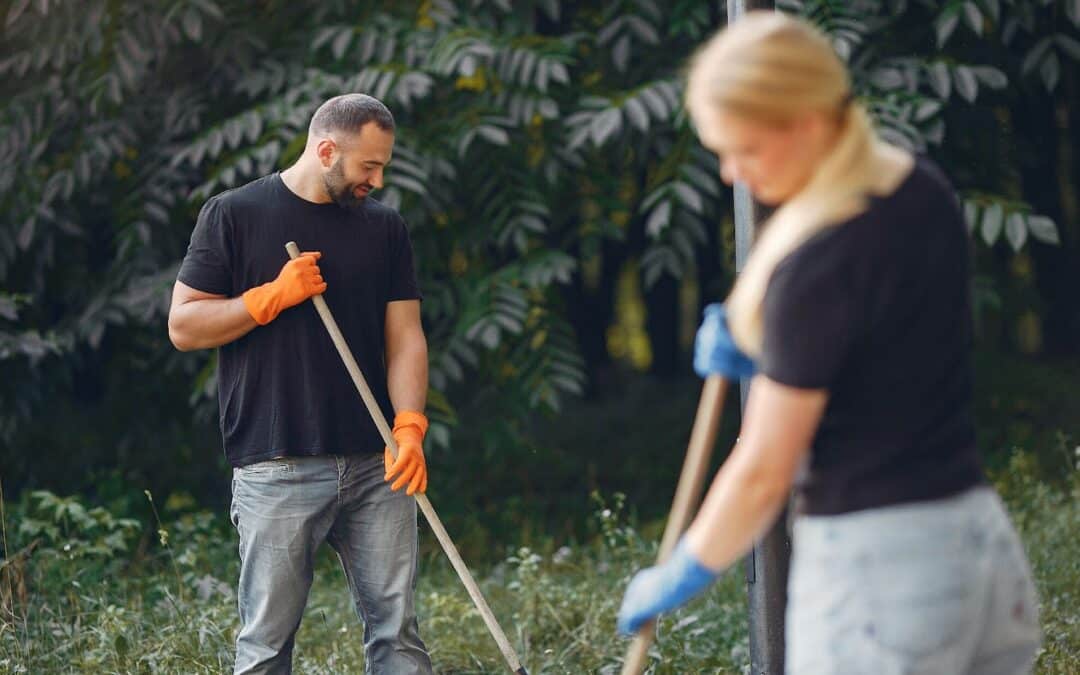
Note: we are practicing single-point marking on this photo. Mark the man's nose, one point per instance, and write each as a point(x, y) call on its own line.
point(377, 178)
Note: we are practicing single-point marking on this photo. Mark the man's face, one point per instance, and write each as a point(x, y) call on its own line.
point(356, 165)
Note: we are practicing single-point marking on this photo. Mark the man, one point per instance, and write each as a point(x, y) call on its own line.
point(304, 450)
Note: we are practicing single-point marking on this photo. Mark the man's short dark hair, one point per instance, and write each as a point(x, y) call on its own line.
point(348, 113)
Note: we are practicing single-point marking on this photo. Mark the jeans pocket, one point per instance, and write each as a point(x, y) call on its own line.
point(921, 604)
point(278, 467)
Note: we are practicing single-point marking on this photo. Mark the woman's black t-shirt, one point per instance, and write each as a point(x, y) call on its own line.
point(283, 388)
point(877, 310)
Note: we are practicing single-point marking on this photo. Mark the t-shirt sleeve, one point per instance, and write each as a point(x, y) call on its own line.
point(206, 266)
point(403, 285)
point(808, 321)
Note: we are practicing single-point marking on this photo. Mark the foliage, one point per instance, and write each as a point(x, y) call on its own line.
point(911, 96)
point(68, 528)
point(1021, 403)
point(1047, 518)
point(556, 600)
point(538, 140)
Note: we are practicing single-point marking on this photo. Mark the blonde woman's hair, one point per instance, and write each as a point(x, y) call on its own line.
point(772, 68)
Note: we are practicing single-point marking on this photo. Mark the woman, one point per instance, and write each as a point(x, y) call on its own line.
point(854, 310)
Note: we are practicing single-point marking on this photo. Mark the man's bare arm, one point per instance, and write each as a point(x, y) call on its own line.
point(406, 356)
point(199, 320)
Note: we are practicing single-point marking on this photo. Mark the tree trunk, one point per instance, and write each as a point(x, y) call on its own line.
point(1057, 270)
point(591, 309)
point(662, 324)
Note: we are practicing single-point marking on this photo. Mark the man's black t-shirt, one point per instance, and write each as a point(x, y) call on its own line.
point(877, 310)
point(283, 388)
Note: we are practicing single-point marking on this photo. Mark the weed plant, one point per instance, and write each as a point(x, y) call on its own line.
point(86, 590)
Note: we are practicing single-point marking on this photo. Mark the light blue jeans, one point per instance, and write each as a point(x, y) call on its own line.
point(284, 509)
point(940, 587)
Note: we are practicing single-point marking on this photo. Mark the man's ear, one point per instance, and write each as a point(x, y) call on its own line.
point(326, 150)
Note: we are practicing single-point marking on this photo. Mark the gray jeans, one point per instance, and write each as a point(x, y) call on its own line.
point(940, 587)
point(283, 510)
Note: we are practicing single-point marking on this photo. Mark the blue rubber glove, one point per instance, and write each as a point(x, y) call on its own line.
point(715, 352)
point(661, 588)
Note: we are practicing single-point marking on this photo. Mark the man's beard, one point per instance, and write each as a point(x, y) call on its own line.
point(340, 190)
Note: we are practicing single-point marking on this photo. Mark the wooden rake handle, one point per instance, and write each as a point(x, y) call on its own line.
point(425, 505)
point(687, 493)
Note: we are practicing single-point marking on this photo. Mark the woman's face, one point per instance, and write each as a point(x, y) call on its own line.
point(774, 161)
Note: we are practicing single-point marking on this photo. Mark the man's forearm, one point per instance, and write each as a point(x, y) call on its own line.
point(205, 324)
point(407, 374)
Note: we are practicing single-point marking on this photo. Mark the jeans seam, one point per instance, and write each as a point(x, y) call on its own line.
point(340, 463)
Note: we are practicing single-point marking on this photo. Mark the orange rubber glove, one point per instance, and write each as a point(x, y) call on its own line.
point(298, 280)
point(409, 430)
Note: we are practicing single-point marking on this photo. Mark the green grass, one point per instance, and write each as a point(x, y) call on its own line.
point(1030, 403)
point(100, 607)
point(1048, 519)
point(174, 612)
point(107, 594)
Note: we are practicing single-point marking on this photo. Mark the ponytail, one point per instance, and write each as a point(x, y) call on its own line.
point(838, 191)
point(771, 68)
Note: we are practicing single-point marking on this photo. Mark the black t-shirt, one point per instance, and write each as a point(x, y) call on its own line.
point(877, 310)
point(283, 388)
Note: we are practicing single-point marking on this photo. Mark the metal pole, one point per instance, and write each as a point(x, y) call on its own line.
point(767, 563)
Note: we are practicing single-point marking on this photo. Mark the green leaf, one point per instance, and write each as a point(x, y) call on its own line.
point(9, 308)
point(935, 133)
point(493, 134)
point(637, 114)
point(659, 219)
point(966, 84)
point(559, 73)
point(927, 109)
point(604, 125)
point(655, 102)
point(1035, 55)
point(945, 25)
point(688, 197)
point(993, 7)
point(210, 8)
point(704, 180)
point(26, 233)
point(973, 17)
point(322, 36)
point(16, 10)
point(643, 30)
point(938, 73)
point(1069, 45)
point(992, 221)
point(1043, 229)
point(620, 53)
point(550, 7)
point(991, 77)
point(1015, 231)
point(192, 24)
point(341, 43)
point(887, 79)
point(1050, 71)
point(971, 215)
